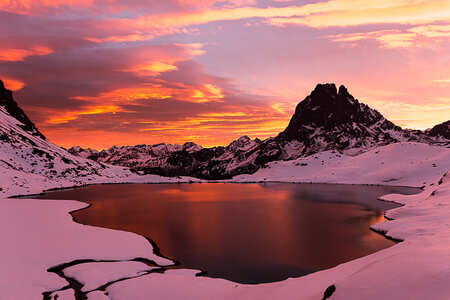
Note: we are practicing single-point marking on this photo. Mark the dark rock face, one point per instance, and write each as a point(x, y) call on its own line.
point(442, 130)
point(327, 119)
point(7, 101)
point(332, 119)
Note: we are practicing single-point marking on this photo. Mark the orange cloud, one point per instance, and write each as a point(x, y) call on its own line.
point(121, 38)
point(353, 13)
point(38, 6)
point(208, 128)
point(152, 68)
point(318, 15)
point(432, 31)
point(225, 114)
point(93, 110)
point(154, 91)
point(193, 49)
point(13, 84)
point(197, 94)
point(12, 54)
point(207, 93)
point(32, 6)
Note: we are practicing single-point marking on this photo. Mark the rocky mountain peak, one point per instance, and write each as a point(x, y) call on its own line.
point(7, 101)
point(329, 109)
point(442, 130)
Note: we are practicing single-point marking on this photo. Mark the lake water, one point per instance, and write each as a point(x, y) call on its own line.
point(247, 233)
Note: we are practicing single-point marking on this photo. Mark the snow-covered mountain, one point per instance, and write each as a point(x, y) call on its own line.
point(333, 119)
point(30, 163)
point(327, 119)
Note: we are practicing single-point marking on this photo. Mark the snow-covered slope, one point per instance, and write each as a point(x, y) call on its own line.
point(39, 234)
point(327, 119)
point(401, 164)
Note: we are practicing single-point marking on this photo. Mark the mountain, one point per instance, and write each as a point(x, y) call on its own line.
point(174, 160)
point(327, 119)
point(11, 107)
point(441, 130)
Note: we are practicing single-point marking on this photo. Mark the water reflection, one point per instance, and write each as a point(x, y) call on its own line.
point(249, 233)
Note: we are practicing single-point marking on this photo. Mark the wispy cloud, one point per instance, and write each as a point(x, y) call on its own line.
point(417, 36)
point(15, 54)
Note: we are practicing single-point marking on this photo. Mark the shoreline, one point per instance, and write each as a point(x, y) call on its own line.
point(74, 187)
point(203, 273)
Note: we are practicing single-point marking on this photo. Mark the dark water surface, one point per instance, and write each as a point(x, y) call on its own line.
point(248, 233)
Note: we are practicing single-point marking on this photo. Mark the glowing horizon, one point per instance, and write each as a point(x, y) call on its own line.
point(98, 73)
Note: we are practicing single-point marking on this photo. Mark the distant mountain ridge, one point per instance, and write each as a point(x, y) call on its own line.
point(327, 119)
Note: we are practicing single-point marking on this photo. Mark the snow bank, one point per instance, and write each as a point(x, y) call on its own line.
point(93, 275)
point(401, 164)
point(39, 234)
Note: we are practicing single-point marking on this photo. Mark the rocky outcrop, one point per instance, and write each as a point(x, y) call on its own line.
point(441, 130)
point(7, 101)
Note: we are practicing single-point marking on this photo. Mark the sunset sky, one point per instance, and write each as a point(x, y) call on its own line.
point(103, 72)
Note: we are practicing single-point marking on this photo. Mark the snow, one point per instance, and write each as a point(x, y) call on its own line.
point(97, 295)
point(63, 295)
point(45, 235)
point(96, 274)
point(404, 164)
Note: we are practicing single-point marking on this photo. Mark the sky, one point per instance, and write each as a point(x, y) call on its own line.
point(98, 73)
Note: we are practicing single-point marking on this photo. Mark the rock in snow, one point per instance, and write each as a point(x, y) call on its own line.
point(320, 143)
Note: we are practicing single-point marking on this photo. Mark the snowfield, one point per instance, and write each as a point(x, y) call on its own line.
point(37, 235)
point(400, 164)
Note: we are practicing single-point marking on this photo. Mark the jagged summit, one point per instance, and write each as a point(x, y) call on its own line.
point(328, 108)
point(7, 101)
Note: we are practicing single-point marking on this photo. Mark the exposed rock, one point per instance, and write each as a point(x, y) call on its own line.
point(442, 130)
point(7, 101)
point(329, 292)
